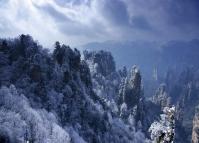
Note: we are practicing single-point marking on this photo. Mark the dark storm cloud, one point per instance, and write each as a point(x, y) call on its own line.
point(184, 15)
point(169, 19)
point(115, 11)
point(82, 21)
point(175, 12)
point(172, 13)
point(183, 11)
point(140, 22)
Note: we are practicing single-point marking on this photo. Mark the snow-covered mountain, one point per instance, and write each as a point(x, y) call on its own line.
point(51, 97)
point(48, 97)
point(177, 84)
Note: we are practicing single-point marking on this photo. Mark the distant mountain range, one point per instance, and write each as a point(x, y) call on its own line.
point(151, 56)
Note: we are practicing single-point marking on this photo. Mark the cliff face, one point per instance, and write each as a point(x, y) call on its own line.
point(195, 130)
point(105, 78)
point(161, 97)
point(111, 85)
point(180, 89)
point(130, 94)
point(121, 90)
point(100, 62)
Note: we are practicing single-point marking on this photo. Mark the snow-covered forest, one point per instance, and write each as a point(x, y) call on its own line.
point(48, 97)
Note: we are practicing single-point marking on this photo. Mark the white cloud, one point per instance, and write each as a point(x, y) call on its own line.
point(76, 22)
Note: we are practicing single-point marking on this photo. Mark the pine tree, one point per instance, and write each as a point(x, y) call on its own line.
point(163, 131)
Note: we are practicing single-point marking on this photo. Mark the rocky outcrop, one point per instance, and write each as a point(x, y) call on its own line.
point(131, 97)
point(121, 91)
point(183, 90)
point(105, 78)
point(100, 62)
point(130, 91)
point(161, 97)
point(195, 130)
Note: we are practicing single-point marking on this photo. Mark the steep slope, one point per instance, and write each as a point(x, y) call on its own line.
point(153, 59)
point(58, 85)
point(105, 78)
point(121, 91)
point(181, 89)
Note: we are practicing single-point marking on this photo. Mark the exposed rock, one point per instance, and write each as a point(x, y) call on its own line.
point(161, 97)
point(183, 90)
point(105, 78)
point(195, 131)
point(122, 92)
point(130, 91)
point(100, 62)
point(130, 95)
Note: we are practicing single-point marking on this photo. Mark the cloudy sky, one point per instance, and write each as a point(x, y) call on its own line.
point(77, 22)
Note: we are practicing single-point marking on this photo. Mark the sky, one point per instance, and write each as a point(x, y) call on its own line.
point(77, 22)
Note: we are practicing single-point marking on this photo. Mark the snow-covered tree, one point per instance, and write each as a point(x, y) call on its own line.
point(19, 122)
point(163, 131)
